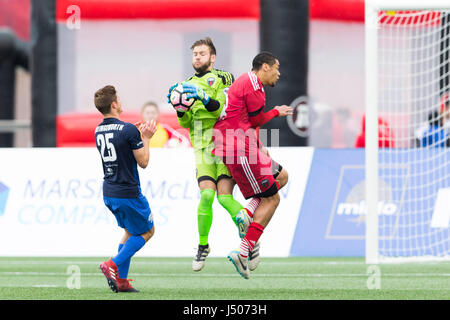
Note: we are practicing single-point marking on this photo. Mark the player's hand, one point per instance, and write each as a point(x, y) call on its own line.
point(195, 92)
point(148, 129)
point(170, 91)
point(284, 110)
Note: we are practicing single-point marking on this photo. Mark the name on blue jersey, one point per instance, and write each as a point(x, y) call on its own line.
point(109, 127)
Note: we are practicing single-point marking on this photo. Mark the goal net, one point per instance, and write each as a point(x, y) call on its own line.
point(407, 117)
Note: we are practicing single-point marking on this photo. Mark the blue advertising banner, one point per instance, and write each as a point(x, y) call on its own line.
point(321, 230)
point(413, 204)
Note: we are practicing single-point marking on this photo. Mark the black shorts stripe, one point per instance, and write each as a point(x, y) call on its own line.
point(276, 169)
point(204, 178)
point(273, 190)
point(223, 176)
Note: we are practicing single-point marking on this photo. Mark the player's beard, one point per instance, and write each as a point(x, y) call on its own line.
point(274, 82)
point(203, 67)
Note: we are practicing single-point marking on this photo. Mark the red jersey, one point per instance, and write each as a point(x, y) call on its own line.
point(242, 114)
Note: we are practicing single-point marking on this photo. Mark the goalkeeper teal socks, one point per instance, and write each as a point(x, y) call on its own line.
point(230, 204)
point(204, 215)
point(130, 247)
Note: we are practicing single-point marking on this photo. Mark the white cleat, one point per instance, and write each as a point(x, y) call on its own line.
point(199, 260)
point(253, 257)
point(239, 263)
point(243, 221)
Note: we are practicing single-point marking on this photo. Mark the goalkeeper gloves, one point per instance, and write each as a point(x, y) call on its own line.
point(170, 91)
point(195, 92)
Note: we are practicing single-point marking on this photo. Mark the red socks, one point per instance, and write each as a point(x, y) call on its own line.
point(252, 205)
point(254, 232)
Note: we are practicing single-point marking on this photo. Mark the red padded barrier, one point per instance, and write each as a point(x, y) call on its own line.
point(344, 10)
point(160, 9)
point(16, 15)
point(77, 130)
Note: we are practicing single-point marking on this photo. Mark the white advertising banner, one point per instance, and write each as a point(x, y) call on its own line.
point(51, 204)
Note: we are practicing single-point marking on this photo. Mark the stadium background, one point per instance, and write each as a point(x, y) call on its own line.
point(142, 47)
point(51, 211)
point(333, 67)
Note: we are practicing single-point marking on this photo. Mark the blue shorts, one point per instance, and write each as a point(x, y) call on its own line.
point(133, 214)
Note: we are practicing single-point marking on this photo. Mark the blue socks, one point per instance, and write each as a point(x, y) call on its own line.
point(126, 251)
point(123, 269)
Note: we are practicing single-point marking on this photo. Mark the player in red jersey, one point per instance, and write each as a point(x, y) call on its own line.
point(236, 142)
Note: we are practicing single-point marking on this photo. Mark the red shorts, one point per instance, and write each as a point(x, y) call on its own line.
point(254, 173)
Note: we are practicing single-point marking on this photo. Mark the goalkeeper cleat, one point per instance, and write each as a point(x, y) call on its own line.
point(199, 260)
point(111, 273)
point(125, 286)
point(240, 263)
point(243, 221)
point(253, 257)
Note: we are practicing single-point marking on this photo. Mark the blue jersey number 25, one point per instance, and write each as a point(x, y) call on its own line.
point(103, 141)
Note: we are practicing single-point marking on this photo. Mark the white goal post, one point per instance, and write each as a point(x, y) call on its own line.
point(407, 167)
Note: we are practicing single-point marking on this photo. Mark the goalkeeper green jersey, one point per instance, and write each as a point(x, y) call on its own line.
point(198, 120)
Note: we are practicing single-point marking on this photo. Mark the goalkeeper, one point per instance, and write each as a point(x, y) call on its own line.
point(208, 86)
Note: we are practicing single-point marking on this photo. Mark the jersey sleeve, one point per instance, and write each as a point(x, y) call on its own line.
point(225, 80)
point(134, 137)
point(184, 119)
point(255, 100)
point(220, 97)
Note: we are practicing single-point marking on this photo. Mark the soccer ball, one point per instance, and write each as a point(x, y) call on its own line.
point(179, 101)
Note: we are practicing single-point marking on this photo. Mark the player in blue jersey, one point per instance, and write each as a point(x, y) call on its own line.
point(122, 147)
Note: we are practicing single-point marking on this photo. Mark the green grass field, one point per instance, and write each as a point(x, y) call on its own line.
point(275, 279)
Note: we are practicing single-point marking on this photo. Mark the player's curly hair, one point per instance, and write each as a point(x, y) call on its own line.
point(206, 41)
point(104, 97)
point(261, 58)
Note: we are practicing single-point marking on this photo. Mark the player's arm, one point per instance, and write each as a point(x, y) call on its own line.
point(184, 118)
point(254, 101)
point(225, 80)
point(142, 154)
point(259, 117)
point(255, 106)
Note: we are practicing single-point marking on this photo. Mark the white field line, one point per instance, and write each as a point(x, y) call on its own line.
point(45, 286)
point(163, 261)
point(225, 275)
point(214, 261)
